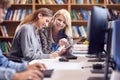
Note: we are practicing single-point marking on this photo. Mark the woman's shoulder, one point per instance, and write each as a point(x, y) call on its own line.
point(27, 27)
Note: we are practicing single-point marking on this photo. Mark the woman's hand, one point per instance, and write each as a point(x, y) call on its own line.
point(63, 41)
point(36, 66)
point(61, 50)
point(28, 75)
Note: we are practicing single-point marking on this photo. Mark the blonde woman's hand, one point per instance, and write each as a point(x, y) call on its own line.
point(63, 41)
point(61, 50)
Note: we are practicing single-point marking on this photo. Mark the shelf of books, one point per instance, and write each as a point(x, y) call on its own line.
point(17, 12)
point(113, 7)
point(53, 7)
point(80, 11)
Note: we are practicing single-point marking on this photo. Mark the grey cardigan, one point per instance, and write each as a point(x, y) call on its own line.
point(26, 44)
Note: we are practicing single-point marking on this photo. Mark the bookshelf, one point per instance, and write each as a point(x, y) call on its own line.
point(35, 4)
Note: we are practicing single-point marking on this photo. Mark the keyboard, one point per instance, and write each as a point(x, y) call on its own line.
point(70, 56)
point(48, 73)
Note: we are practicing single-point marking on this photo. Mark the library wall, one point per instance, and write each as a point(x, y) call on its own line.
point(79, 10)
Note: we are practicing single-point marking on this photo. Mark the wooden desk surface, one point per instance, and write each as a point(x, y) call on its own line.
point(71, 70)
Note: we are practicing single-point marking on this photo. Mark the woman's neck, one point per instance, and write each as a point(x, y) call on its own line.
point(36, 25)
point(55, 34)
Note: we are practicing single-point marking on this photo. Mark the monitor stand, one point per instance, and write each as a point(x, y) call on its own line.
point(96, 78)
point(96, 58)
point(100, 71)
point(70, 56)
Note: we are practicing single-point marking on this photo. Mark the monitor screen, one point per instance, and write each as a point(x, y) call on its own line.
point(115, 50)
point(97, 24)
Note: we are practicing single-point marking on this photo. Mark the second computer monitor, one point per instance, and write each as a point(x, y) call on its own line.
point(97, 26)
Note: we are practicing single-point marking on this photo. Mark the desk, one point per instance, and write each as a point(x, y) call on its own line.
point(70, 70)
point(115, 75)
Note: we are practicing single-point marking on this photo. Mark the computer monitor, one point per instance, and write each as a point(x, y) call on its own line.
point(115, 50)
point(113, 45)
point(97, 30)
point(97, 25)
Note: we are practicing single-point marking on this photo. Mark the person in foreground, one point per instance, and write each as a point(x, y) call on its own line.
point(60, 32)
point(17, 71)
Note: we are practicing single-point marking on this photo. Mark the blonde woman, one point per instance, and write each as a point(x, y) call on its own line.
point(60, 32)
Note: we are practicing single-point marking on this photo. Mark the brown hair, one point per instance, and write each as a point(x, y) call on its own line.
point(5, 3)
point(34, 16)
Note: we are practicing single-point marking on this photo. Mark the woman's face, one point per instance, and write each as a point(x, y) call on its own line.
point(43, 21)
point(59, 22)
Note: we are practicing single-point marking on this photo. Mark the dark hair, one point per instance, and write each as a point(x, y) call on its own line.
point(5, 3)
point(33, 17)
point(43, 11)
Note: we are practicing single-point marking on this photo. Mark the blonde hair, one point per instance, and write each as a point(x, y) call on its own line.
point(5, 3)
point(66, 14)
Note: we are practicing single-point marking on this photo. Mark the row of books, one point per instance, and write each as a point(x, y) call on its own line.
point(52, 1)
point(113, 14)
point(17, 14)
point(80, 14)
point(84, 1)
point(3, 31)
point(113, 1)
point(56, 1)
point(20, 1)
point(79, 31)
point(5, 46)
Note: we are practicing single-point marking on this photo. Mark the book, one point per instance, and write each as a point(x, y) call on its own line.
point(75, 32)
point(5, 30)
point(10, 18)
point(8, 46)
point(39, 1)
point(59, 1)
point(80, 47)
point(79, 15)
point(3, 46)
point(77, 28)
point(74, 14)
point(80, 2)
point(83, 32)
point(2, 31)
point(23, 14)
point(15, 14)
point(23, 1)
point(53, 1)
point(21, 11)
point(43, 2)
point(8, 14)
point(84, 15)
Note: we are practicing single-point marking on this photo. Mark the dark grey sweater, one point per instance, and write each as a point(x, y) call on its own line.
point(26, 44)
